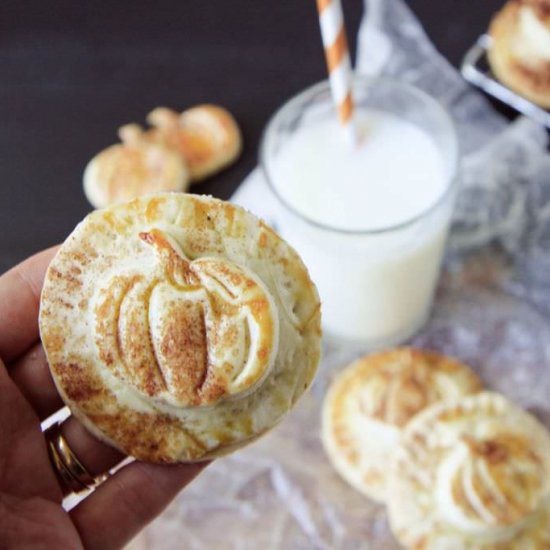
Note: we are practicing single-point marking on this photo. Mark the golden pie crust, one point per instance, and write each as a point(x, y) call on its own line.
point(207, 136)
point(370, 402)
point(472, 475)
point(178, 327)
point(134, 168)
point(528, 75)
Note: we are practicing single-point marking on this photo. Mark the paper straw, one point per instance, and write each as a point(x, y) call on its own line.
point(335, 43)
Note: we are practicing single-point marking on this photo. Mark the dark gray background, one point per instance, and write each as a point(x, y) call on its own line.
point(72, 71)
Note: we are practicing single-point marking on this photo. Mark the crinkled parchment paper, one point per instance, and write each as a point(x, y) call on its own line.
point(492, 310)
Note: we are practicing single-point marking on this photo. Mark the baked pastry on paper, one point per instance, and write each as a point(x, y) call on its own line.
point(179, 327)
point(207, 136)
point(519, 54)
point(472, 475)
point(370, 402)
point(133, 168)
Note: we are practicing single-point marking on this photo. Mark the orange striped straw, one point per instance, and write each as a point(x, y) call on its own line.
point(335, 43)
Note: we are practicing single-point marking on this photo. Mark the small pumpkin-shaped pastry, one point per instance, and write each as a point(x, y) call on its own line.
point(519, 53)
point(207, 136)
point(473, 474)
point(133, 168)
point(178, 327)
point(188, 332)
point(370, 402)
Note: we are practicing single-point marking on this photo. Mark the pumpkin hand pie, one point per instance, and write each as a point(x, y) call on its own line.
point(133, 168)
point(519, 54)
point(207, 137)
point(473, 474)
point(179, 328)
point(370, 402)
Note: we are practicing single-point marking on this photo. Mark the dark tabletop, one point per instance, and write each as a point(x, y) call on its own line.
point(72, 72)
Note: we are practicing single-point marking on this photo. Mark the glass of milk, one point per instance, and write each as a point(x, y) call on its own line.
point(370, 219)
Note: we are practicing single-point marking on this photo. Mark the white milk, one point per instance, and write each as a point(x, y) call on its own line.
point(375, 287)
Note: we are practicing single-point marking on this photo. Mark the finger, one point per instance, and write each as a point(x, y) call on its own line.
point(123, 505)
point(32, 376)
point(24, 466)
point(20, 289)
point(97, 457)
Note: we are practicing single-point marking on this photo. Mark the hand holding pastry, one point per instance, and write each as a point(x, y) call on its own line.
point(40, 468)
point(133, 168)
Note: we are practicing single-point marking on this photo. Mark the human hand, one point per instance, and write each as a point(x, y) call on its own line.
point(31, 515)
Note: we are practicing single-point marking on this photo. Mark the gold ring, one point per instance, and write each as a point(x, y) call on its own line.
point(72, 474)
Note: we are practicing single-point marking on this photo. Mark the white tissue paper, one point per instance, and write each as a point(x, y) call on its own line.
point(492, 310)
